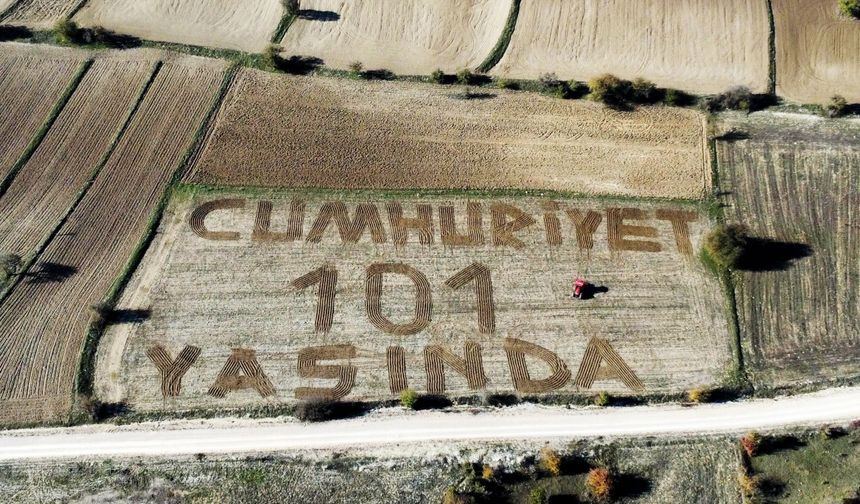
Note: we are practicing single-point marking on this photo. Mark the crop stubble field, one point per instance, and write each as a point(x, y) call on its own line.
point(276, 130)
point(49, 182)
point(581, 39)
point(40, 14)
point(817, 51)
point(291, 309)
point(245, 25)
point(798, 181)
point(43, 321)
point(31, 82)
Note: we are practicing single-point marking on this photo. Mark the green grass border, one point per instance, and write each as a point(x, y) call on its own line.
point(504, 41)
point(281, 30)
point(59, 105)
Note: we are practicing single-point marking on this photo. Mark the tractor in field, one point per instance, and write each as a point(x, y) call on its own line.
point(580, 287)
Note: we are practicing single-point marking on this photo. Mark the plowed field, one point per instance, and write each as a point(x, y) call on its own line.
point(703, 46)
point(252, 300)
point(245, 25)
point(46, 187)
point(40, 13)
point(798, 183)
point(44, 320)
point(404, 36)
point(817, 51)
point(276, 130)
point(30, 86)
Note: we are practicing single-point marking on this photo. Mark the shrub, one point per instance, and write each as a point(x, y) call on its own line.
point(452, 497)
point(67, 31)
point(643, 91)
point(487, 473)
point(837, 105)
point(751, 486)
point(850, 8)
point(99, 314)
point(9, 265)
point(356, 68)
point(737, 98)
point(675, 98)
point(408, 398)
point(272, 56)
point(466, 77)
point(576, 89)
point(727, 244)
point(538, 496)
point(550, 461)
point(602, 399)
point(699, 395)
point(506, 84)
point(439, 77)
point(291, 7)
point(549, 81)
point(609, 89)
point(750, 442)
point(599, 483)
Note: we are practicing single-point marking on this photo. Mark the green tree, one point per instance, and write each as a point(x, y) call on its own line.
point(727, 244)
point(408, 398)
point(850, 8)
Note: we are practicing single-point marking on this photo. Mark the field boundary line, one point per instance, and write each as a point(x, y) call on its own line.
point(76, 8)
point(8, 10)
point(771, 49)
point(34, 144)
point(35, 254)
point(84, 377)
point(284, 25)
point(504, 41)
point(201, 138)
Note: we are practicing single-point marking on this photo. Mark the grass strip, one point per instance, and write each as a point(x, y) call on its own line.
point(282, 28)
point(86, 368)
point(771, 47)
point(43, 131)
point(504, 40)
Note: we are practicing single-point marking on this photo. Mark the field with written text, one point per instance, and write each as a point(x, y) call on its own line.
point(248, 298)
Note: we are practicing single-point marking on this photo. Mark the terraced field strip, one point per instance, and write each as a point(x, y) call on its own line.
point(77, 144)
point(41, 13)
point(245, 25)
point(580, 39)
point(404, 36)
point(799, 315)
point(287, 131)
point(817, 51)
point(44, 320)
point(31, 88)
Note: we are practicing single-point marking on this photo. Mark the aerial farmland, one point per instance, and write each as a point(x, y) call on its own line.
point(458, 250)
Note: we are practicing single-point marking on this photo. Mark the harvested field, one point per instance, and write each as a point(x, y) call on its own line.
point(796, 182)
point(285, 131)
point(247, 25)
point(44, 320)
point(404, 36)
point(580, 39)
point(817, 51)
point(40, 14)
point(31, 83)
point(360, 312)
point(48, 185)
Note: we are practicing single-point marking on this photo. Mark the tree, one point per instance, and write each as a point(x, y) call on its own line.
point(408, 398)
point(291, 7)
point(272, 56)
point(550, 461)
point(602, 399)
point(850, 8)
point(643, 91)
point(609, 89)
point(599, 483)
point(487, 473)
point(751, 442)
point(9, 265)
point(466, 77)
point(837, 105)
point(727, 244)
point(699, 395)
point(356, 67)
point(438, 76)
point(538, 496)
point(67, 31)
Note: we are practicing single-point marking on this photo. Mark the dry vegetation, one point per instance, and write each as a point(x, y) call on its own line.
point(31, 82)
point(244, 25)
point(276, 130)
point(652, 39)
point(404, 36)
point(40, 13)
point(662, 315)
point(796, 182)
point(45, 318)
point(46, 187)
point(817, 51)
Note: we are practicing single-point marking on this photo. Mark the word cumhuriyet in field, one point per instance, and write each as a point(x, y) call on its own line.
point(443, 297)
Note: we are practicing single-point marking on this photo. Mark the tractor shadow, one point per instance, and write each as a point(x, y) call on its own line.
point(590, 291)
point(764, 254)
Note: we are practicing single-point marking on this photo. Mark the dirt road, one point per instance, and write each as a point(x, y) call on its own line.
point(526, 422)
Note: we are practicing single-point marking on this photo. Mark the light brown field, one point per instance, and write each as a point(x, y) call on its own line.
point(46, 187)
point(663, 312)
point(817, 51)
point(40, 14)
point(404, 36)
point(798, 181)
point(284, 131)
point(30, 86)
point(245, 25)
point(44, 320)
point(702, 46)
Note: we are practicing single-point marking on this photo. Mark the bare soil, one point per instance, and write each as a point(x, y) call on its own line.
point(285, 131)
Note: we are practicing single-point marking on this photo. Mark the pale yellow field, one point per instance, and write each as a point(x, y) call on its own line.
point(702, 46)
point(245, 25)
point(662, 313)
point(404, 36)
point(817, 51)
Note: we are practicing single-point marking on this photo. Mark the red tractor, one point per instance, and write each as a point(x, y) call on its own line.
point(580, 285)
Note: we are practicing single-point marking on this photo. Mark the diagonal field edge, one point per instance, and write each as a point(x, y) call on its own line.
point(501, 46)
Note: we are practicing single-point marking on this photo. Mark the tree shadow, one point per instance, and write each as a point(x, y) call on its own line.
point(298, 65)
point(574, 464)
point(130, 316)
point(109, 38)
point(472, 95)
point(47, 272)
point(772, 488)
point(563, 499)
point(764, 254)
point(732, 136)
point(428, 402)
point(773, 444)
point(498, 400)
point(105, 410)
point(631, 486)
point(763, 101)
point(378, 74)
point(318, 15)
point(8, 32)
point(721, 395)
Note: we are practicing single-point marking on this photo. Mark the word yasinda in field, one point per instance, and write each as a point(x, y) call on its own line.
point(505, 221)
